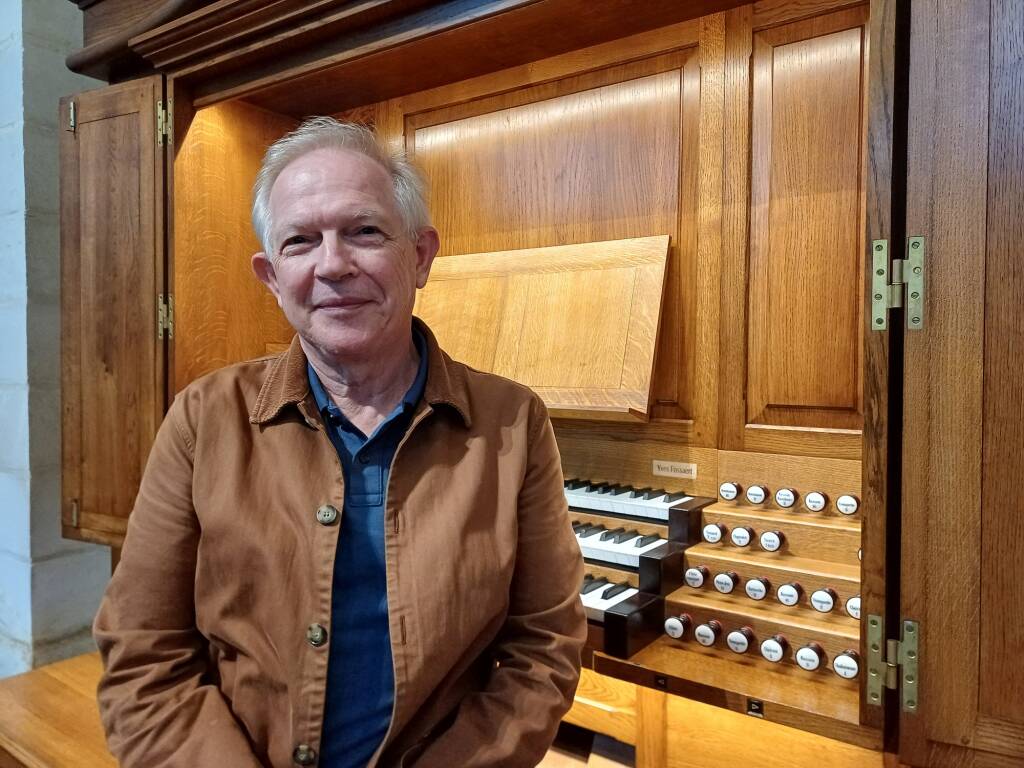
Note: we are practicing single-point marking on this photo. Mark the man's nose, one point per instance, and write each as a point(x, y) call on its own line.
point(336, 259)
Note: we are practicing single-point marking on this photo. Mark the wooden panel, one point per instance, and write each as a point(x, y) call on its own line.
point(805, 356)
point(700, 736)
point(822, 538)
point(50, 717)
point(605, 705)
point(576, 323)
point(809, 573)
point(222, 313)
point(626, 454)
point(943, 420)
point(1001, 682)
point(585, 158)
point(112, 270)
point(833, 477)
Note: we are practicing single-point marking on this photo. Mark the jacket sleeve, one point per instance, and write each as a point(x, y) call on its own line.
point(512, 722)
point(157, 700)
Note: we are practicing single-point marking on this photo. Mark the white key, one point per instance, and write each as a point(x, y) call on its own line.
point(595, 604)
point(622, 503)
point(626, 553)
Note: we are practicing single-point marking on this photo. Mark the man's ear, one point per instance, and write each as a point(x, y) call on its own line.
point(427, 245)
point(263, 268)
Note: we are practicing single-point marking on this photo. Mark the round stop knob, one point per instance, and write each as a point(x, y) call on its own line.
point(726, 582)
point(823, 600)
point(729, 491)
point(810, 657)
point(771, 541)
point(786, 497)
point(696, 576)
point(740, 640)
point(847, 504)
point(742, 536)
point(757, 589)
point(774, 648)
point(789, 594)
point(707, 634)
point(816, 501)
point(713, 533)
point(756, 494)
point(846, 665)
point(676, 626)
point(853, 606)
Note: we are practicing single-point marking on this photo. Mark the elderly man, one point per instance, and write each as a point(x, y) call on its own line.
point(357, 552)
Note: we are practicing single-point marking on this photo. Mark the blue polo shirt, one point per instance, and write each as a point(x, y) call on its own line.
point(360, 676)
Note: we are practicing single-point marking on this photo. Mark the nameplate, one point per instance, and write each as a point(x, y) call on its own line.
point(674, 469)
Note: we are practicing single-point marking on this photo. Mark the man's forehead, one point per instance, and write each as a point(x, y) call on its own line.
point(331, 168)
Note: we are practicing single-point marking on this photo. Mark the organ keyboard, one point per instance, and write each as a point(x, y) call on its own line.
point(632, 540)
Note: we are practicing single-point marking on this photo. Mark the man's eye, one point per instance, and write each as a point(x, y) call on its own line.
point(296, 240)
point(368, 230)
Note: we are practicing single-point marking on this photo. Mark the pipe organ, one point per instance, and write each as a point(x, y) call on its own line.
point(674, 221)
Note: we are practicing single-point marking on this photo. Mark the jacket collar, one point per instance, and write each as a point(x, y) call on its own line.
point(287, 382)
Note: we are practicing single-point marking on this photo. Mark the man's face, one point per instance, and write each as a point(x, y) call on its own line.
point(343, 269)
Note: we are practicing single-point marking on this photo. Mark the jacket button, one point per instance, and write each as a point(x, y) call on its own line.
point(316, 635)
point(327, 514)
point(304, 755)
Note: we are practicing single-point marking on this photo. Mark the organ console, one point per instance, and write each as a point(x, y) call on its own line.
point(714, 373)
point(632, 541)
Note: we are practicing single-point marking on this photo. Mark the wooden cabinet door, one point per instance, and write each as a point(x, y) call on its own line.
point(112, 252)
point(963, 457)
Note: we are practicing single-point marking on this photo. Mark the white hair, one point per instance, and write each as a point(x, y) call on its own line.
point(328, 133)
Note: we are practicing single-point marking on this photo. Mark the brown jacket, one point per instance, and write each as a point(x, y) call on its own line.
point(226, 563)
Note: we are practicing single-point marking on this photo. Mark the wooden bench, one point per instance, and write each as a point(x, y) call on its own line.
point(49, 719)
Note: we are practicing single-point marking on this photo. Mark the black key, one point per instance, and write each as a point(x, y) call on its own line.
point(654, 494)
point(592, 530)
point(625, 536)
point(611, 534)
point(672, 498)
point(618, 589)
point(643, 541)
point(602, 488)
point(578, 526)
point(639, 493)
point(575, 485)
point(594, 584)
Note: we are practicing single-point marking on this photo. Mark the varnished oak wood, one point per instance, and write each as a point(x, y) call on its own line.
point(944, 382)
point(50, 717)
point(883, 221)
point(222, 313)
point(809, 702)
point(112, 249)
point(833, 477)
point(1001, 681)
point(706, 737)
point(806, 227)
point(809, 573)
point(578, 324)
point(605, 705)
point(822, 538)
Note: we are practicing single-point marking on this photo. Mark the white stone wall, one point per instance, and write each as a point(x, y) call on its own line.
point(49, 586)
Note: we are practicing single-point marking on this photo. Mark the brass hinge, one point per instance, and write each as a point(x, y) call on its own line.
point(164, 117)
point(893, 664)
point(74, 513)
point(165, 316)
point(72, 119)
point(904, 290)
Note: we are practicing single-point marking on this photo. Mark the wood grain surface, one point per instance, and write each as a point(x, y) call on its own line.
point(223, 313)
point(112, 271)
point(576, 323)
point(50, 717)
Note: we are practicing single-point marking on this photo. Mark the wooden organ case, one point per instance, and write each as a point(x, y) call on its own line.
point(736, 414)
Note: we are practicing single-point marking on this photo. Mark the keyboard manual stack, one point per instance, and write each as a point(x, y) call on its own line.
point(632, 540)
